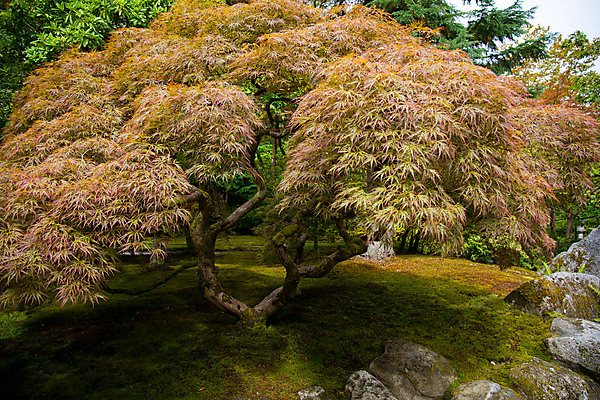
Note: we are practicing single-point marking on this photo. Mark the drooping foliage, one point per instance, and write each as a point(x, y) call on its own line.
point(106, 149)
point(36, 31)
point(567, 79)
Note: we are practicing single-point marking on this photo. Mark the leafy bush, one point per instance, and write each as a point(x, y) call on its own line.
point(11, 324)
point(58, 25)
point(476, 249)
point(505, 253)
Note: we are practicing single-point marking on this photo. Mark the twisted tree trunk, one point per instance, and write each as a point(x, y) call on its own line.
point(204, 237)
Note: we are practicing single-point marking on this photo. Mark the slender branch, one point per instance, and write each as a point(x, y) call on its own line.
point(281, 146)
point(244, 209)
point(300, 248)
point(272, 121)
point(252, 203)
point(156, 284)
point(327, 264)
point(351, 249)
point(339, 223)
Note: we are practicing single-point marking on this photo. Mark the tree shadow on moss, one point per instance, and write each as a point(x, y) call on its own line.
point(171, 344)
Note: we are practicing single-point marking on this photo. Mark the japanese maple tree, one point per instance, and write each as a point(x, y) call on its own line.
point(105, 149)
point(566, 80)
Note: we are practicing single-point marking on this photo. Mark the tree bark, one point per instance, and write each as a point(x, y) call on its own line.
point(208, 278)
point(281, 296)
point(570, 221)
point(204, 236)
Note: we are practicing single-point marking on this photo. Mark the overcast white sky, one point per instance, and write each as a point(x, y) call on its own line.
point(562, 16)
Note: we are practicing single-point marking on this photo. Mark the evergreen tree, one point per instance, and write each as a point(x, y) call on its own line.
point(482, 35)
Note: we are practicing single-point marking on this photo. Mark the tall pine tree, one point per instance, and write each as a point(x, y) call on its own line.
point(480, 32)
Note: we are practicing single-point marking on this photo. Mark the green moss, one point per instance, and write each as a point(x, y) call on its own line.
point(171, 343)
point(546, 297)
point(280, 238)
point(531, 293)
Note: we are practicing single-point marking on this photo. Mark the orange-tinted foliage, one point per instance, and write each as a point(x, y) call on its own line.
point(103, 148)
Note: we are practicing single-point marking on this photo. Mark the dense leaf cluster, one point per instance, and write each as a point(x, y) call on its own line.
point(567, 78)
point(36, 31)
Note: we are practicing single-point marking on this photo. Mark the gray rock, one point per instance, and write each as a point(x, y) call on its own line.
point(483, 390)
point(363, 386)
point(541, 380)
point(383, 249)
point(576, 345)
point(564, 293)
point(587, 251)
point(313, 393)
point(411, 371)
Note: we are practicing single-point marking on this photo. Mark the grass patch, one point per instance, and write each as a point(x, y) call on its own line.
point(170, 344)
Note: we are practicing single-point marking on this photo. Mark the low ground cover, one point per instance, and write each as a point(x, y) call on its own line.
point(170, 344)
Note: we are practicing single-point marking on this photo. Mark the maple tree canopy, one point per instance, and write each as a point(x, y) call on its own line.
point(107, 148)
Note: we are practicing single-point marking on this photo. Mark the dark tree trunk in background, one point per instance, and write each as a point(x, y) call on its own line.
point(403, 240)
point(414, 243)
point(189, 242)
point(570, 221)
point(553, 221)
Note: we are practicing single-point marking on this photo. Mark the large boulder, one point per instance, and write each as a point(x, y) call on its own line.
point(564, 293)
point(576, 345)
point(363, 386)
point(411, 371)
point(483, 390)
point(541, 380)
point(587, 251)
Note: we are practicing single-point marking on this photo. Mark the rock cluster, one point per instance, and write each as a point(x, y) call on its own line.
point(404, 371)
point(408, 371)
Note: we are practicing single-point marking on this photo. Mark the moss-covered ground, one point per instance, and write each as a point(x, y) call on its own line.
point(170, 344)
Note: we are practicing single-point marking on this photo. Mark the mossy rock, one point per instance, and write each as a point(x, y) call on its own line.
point(563, 293)
point(541, 380)
point(484, 390)
point(586, 251)
point(575, 344)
